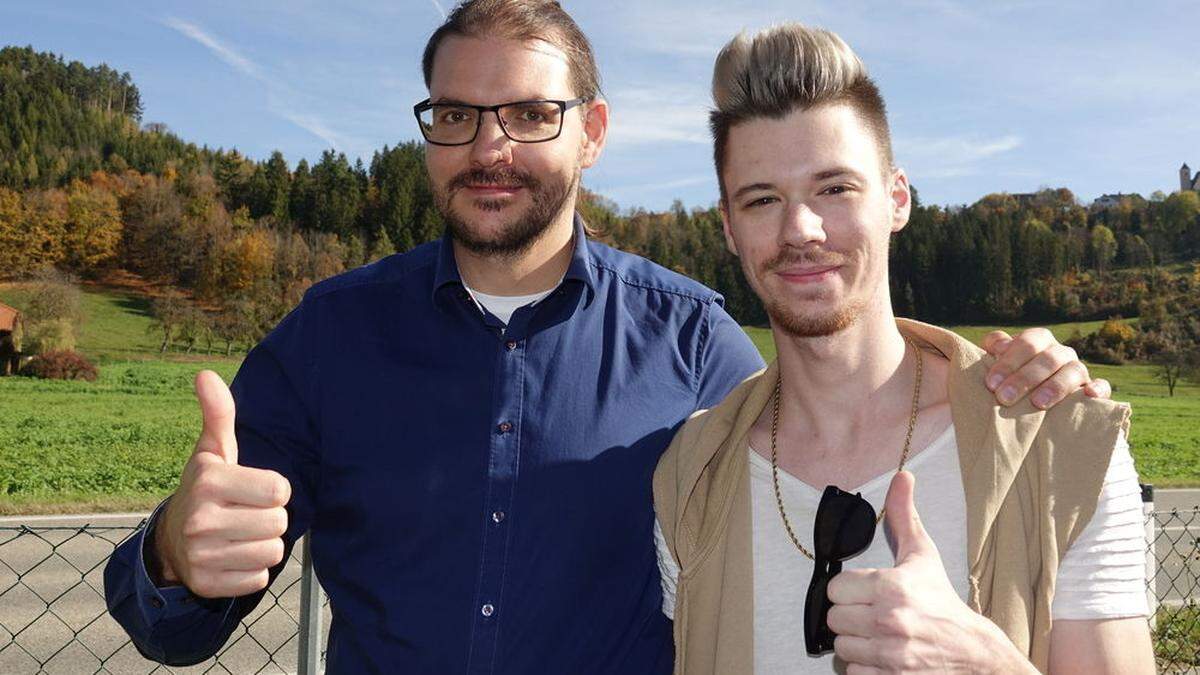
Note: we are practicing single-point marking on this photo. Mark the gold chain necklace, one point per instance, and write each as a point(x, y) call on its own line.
point(912, 423)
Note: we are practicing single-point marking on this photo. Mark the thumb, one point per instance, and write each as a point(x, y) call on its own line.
point(908, 534)
point(216, 405)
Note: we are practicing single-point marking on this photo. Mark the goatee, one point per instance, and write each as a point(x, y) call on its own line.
point(517, 236)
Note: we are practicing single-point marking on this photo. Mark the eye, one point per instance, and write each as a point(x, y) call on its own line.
point(455, 116)
point(761, 201)
point(836, 190)
point(530, 115)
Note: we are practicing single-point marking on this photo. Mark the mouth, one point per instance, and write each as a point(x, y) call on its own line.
point(808, 274)
point(492, 190)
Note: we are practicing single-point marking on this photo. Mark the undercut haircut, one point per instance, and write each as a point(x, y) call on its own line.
point(522, 20)
point(785, 68)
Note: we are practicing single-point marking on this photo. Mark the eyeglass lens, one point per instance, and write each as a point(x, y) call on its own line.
point(525, 122)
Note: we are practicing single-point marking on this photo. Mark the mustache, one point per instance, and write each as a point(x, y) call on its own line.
point(509, 178)
point(811, 257)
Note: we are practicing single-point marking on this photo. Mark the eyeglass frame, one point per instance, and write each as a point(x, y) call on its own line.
point(841, 507)
point(563, 107)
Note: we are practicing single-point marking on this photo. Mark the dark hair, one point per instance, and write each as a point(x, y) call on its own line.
point(791, 67)
point(523, 20)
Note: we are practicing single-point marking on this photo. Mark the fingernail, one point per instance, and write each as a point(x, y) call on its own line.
point(1008, 395)
point(994, 381)
point(1041, 399)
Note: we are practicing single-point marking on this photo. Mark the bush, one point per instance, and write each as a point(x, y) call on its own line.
point(61, 365)
point(52, 335)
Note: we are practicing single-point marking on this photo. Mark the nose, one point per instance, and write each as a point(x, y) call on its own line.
point(491, 146)
point(802, 226)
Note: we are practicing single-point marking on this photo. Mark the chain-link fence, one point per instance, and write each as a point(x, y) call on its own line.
point(1173, 586)
point(53, 618)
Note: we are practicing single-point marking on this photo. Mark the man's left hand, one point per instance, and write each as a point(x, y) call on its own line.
point(1034, 358)
point(909, 619)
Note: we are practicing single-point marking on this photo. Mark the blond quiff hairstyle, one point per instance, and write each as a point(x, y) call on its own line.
point(785, 68)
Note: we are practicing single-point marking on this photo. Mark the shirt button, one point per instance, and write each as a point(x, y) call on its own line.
point(504, 427)
point(497, 516)
point(511, 345)
point(487, 610)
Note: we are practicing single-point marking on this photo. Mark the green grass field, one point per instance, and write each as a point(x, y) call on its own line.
point(120, 442)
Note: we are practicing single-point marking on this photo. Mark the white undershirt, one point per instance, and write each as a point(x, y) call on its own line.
point(503, 306)
point(1102, 575)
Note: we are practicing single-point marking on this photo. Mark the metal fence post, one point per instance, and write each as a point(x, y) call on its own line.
point(1151, 561)
point(309, 656)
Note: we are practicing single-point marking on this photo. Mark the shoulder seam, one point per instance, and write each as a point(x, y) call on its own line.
point(637, 283)
point(315, 293)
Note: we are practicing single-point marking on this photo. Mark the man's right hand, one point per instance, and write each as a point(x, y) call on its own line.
point(223, 528)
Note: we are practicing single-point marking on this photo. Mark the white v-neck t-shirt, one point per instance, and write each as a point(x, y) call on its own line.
point(1102, 576)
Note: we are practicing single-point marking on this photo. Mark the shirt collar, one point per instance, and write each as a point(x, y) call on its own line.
point(447, 279)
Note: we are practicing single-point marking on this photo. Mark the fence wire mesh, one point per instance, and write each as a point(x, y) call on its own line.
point(1175, 587)
point(53, 617)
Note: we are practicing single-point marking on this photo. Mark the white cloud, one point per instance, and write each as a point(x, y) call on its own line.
point(281, 98)
point(438, 6)
point(950, 157)
point(658, 115)
point(221, 50)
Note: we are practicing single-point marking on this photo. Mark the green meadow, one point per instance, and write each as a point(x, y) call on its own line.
point(120, 442)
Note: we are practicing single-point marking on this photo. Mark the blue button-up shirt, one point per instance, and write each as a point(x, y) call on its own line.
point(478, 495)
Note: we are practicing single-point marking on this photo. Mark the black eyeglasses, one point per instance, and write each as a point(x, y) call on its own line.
point(845, 527)
point(521, 121)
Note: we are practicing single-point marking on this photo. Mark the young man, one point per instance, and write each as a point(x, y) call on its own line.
point(468, 430)
point(1035, 514)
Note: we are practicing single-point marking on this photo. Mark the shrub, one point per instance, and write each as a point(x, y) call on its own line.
point(60, 365)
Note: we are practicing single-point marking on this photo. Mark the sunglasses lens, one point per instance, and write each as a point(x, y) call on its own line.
point(818, 639)
point(845, 525)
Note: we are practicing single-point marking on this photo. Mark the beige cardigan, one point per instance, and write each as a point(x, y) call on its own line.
point(1031, 477)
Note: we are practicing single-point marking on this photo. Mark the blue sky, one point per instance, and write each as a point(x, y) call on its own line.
point(1006, 95)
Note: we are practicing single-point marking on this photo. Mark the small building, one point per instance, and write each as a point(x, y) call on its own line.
point(10, 321)
point(1109, 201)
point(1186, 180)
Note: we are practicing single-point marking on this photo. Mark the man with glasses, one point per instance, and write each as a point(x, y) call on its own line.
point(468, 430)
point(1039, 555)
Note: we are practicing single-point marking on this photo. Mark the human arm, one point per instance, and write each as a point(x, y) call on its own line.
point(168, 621)
point(1100, 606)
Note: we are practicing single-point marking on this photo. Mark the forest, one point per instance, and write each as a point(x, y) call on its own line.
point(87, 187)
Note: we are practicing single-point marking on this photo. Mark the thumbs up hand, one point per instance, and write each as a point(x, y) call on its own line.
point(222, 529)
point(909, 619)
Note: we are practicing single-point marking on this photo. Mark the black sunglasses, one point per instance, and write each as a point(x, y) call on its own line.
point(844, 528)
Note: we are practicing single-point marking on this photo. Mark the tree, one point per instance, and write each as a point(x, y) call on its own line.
point(93, 228)
point(381, 246)
point(1178, 356)
point(169, 312)
point(1104, 247)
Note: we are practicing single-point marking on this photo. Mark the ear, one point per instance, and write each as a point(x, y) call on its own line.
point(595, 131)
point(725, 227)
point(901, 199)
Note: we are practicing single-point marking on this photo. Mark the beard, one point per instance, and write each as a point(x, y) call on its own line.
point(820, 323)
point(517, 236)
